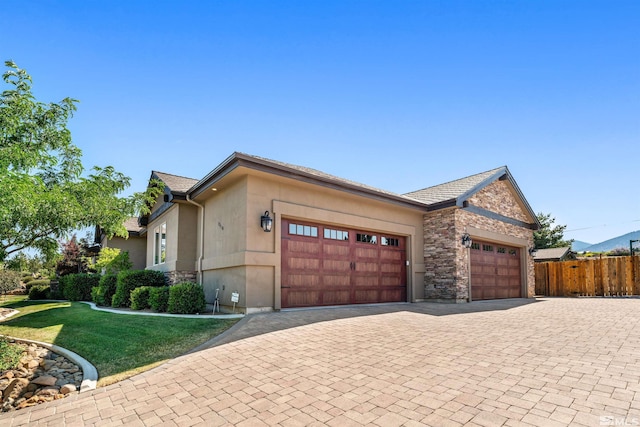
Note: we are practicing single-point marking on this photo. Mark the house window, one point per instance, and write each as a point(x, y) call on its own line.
point(336, 234)
point(367, 238)
point(160, 244)
point(389, 241)
point(303, 230)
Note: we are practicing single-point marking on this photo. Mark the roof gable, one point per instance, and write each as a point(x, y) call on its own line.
point(457, 192)
point(459, 189)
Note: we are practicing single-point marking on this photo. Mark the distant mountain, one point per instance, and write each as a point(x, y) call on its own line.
point(616, 242)
point(578, 246)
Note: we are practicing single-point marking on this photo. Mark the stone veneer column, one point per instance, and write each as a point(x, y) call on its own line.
point(174, 277)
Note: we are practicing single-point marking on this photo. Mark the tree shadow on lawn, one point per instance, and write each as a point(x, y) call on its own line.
point(262, 323)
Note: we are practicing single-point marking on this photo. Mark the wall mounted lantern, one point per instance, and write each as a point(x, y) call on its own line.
point(466, 240)
point(532, 251)
point(266, 222)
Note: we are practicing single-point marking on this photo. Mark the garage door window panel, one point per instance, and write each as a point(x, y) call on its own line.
point(303, 230)
point(367, 238)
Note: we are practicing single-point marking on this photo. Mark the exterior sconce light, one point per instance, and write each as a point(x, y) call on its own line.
point(532, 251)
point(466, 240)
point(266, 222)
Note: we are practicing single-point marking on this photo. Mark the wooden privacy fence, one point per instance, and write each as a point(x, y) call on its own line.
point(612, 276)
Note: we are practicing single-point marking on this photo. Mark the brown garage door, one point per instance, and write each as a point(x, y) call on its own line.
point(330, 265)
point(495, 271)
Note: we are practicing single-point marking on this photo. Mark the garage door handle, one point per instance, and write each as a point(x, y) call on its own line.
point(285, 287)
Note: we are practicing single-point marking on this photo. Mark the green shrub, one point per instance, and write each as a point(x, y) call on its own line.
point(159, 299)
point(186, 298)
point(103, 293)
point(38, 282)
point(39, 292)
point(10, 354)
point(140, 298)
point(27, 279)
point(55, 291)
point(77, 287)
point(128, 280)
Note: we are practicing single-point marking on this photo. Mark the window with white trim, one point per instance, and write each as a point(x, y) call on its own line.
point(160, 244)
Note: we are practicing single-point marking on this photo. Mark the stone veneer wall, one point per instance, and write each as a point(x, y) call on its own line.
point(497, 197)
point(174, 277)
point(445, 278)
point(447, 261)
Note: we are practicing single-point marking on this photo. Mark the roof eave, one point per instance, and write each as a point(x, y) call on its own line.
point(241, 160)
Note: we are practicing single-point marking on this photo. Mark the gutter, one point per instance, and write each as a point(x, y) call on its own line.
point(200, 236)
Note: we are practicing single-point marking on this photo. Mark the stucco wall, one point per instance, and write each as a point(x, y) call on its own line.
point(237, 250)
point(136, 246)
point(181, 242)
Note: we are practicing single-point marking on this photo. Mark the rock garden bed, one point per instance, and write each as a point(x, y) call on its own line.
point(41, 376)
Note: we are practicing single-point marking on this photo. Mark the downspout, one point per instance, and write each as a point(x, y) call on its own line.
point(200, 237)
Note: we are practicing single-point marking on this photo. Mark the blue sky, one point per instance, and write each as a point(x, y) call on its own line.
point(400, 95)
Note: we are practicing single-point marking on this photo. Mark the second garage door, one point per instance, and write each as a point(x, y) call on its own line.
point(330, 265)
point(495, 271)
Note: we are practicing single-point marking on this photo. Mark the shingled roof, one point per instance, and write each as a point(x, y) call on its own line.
point(453, 193)
point(455, 190)
point(456, 193)
point(324, 175)
point(132, 226)
point(175, 183)
point(553, 254)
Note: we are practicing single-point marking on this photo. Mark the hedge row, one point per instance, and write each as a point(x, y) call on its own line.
point(138, 289)
point(77, 287)
point(128, 280)
point(183, 298)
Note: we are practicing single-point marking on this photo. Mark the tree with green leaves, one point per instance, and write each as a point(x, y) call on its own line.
point(9, 280)
point(44, 191)
point(112, 261)
point(549, 235)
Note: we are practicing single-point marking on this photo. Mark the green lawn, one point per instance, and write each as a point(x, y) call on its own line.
point(118, 345)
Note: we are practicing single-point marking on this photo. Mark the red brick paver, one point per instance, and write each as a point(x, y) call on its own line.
point(517, 362)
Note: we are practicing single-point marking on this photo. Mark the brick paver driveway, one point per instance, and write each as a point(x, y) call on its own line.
point(516, 362)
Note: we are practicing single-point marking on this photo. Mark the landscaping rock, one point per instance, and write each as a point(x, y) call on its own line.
point(67, 388)
point(14, 389)
point(48, 391)
point(42, 377)
point(46, 380)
